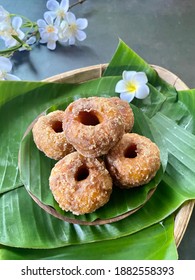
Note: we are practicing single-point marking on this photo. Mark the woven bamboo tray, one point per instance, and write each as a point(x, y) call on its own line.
point(92, 72)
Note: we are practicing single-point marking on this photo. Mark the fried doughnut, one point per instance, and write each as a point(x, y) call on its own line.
point(134, 161)
point(93, 125)
point(79, 184)
point(125, 111)
point(49, 136)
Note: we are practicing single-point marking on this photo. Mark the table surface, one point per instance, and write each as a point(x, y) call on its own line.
point(162, 32)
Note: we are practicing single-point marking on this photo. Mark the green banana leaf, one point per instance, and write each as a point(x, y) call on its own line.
point(24, 224)
point(159, 236)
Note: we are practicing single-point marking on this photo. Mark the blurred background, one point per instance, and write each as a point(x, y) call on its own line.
point(161, 32)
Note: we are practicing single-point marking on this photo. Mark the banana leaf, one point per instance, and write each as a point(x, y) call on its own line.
point(187, 97)
point(24, 224)
point(159, 236)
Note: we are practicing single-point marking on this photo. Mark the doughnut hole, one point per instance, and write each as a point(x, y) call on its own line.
point(130, 151)
point(82, 173)
point(57, 126)
point(88, 118)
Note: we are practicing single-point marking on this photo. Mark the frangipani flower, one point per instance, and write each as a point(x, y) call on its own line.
point(133, 84)
point(48, 31)
point(57, 10)
point(72, 29)
point(5, 68)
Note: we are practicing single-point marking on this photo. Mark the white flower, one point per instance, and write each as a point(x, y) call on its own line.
point(133, 84)
point(10, 29)
point(5, 68)
point(72, 29)
point(30, 41)
point(57, 10)
point(48, 31)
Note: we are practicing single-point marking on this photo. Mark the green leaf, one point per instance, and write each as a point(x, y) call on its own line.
point(181, 146)
point(187, 97)
point(125, 58)
point(138, 246)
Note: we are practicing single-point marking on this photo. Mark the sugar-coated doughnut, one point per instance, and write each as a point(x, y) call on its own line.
point(79, 184)
point(49, 136)
point(134, 161)
point(93, 125)
point(125, 111)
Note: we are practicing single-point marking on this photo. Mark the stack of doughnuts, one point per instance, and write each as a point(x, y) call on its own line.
point(94, 147)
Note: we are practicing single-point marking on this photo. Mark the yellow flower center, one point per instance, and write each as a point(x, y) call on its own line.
point(131, 87)
point(61, 13)
point(13, 32)
point(73, 28)
point(50, 29)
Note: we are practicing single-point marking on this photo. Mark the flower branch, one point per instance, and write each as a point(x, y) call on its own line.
point(77, 3)
point(58, 25)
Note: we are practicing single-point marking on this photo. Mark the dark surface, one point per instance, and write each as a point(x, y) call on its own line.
point(162, 32)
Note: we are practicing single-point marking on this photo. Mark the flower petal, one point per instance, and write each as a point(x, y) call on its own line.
point(127, 96)
point(31, 40)
point(16, 22)
point(10, 42)
point(44, 36)
point(21, 34)
point(5, 64)
point(120, 86)
point(4, 15)
point(48, 18)
point(82, 23)
point(52, 5)
point(43, 40)
point(72, 40)
point(142, 92)
point(53, 36)
point(70, 17)
point(128, 75)
point(51, 14)
point(65, 5)
point(140, 78)
point(51, 45)
point(11, 77)
point(41, 23)
point(81, 35)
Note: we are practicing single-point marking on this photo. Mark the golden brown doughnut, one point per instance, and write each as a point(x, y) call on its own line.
point(49, 136)
point(134, 160)
point(93, 125)
point(79, 184)
point(125, 111)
